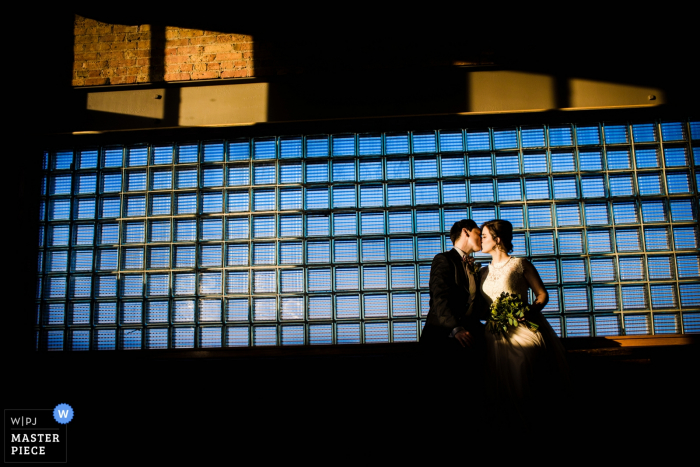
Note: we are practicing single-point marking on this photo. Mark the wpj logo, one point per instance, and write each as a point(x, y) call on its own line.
point(37, 435)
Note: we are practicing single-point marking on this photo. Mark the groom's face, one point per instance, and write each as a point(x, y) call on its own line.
point(473, 238)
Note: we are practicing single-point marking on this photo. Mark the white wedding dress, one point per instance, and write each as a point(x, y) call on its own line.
point(520, 364)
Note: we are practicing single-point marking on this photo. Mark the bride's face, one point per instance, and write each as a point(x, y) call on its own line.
point(488, 243)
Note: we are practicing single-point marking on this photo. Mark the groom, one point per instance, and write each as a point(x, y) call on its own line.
point(452, 329)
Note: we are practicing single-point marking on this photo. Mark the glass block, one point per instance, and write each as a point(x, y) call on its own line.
point(563, 162)
point(264, 148)
point(573, 270)
point(452, 166)
point(370, 144)
point(625, 213)
point(607, 326)
point(605, 298)
point(647, 158)
point(673, 131)
point(317, 172)
point(682, 210)
point(560, 136)
point(317, 146)
point(289, 173)
point(660, 267)
point(590, 160)
point(637, 325)
point(505, 138)
point(264, 174)
point(344, 196)
point(290, 147)
point(628, 240)
point(656, 239)
point(237, 282)
point(186, 203)
point(396, 143)
point(480, 165)
point(535, 163)
point(667, 324)
point(649, 184)
point(347, 278)
point(685, 237)
point(570, 242)
point(290, 226)
point(542, 243)
point(264, 309)
point(238, 336)
point(370, 170)
point(634, 297)
point(345, 224)
point(578, 326)
point(616, 134)
point(424, 142)
point(345, 251)
point(371, 196)
point(537, 188)
point(547, 270)
point(451, 140)
point(478, 140)
point(540, 216)
point(532, 137)
point(320, 307)
point(663, 296)
point(290, 199)
point(318, 280)
point(568, 214)
point(678, 182)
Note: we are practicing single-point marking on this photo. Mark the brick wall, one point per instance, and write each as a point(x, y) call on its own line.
point(122, 54)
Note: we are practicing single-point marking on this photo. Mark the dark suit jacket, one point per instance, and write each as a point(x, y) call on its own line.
point(449, 296)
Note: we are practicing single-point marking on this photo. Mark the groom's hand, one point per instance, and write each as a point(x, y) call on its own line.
point(464, 338)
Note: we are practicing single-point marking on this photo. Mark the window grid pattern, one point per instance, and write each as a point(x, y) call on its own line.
point(328, 239)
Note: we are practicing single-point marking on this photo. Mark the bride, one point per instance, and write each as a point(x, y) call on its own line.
point(524, 366)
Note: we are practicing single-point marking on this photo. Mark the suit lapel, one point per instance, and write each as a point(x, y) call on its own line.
point(460, 272)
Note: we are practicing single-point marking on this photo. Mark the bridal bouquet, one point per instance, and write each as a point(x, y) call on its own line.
point(505, 312)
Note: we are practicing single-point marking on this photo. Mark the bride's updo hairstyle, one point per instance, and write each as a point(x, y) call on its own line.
point(503, 230)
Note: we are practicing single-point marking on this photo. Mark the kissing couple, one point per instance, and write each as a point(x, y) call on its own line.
point(513, 369)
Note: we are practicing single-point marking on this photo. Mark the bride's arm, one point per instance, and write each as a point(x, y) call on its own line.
point(535, 283)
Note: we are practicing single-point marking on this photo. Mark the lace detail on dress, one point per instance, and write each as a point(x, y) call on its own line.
point(508, 278)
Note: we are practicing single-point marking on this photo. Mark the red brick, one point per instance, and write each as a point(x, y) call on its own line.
point(200, 67)
point(203, 40)
point(111, 37)
point(78, 82)
point(231, 56)
point(98, 46)
point(172, 34)
point(171, 51)
point(143, 62)
point(143, 79)
point(122, 80)
point(143, 45)
point(121, 63)
point(85, 39)
point(138, 36)
point(169, 59)
point(95, 73)
point(104, 28)
point(144, 27)
point(123, 45)
point(247, 54)
point(172, 69)
point(86, 56)
point(79, 31)
point(192, 50)
point(191, 32)
point(205, 75)
point(96, 81)
point(177, 77)
point(202, 58)
point(144, 53)
point(213, 67)
point(216, 48)
point(240, 73)
point(243, 46)
point(177, 43)
point(186, 67)
point(112, 55)
point(240, 63)
point(125, 28)
point(227, 65)
point(82, 73)
point(228, 74)
point(96, 65)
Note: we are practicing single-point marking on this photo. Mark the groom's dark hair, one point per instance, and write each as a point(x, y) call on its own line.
point(457, 227)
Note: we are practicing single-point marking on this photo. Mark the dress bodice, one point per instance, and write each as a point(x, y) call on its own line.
point(508, 277)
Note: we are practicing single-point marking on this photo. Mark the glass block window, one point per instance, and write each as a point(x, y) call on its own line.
point(328, 239)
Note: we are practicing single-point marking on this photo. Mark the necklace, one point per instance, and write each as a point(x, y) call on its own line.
point(501, 265)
